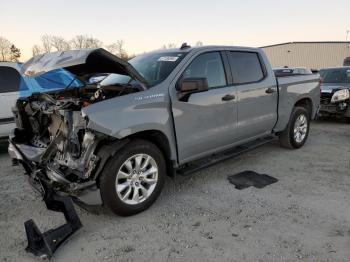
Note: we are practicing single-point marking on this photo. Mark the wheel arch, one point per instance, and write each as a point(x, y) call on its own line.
point(161, 141)
point(286, 109)
point(109, 148)
point(305, 102)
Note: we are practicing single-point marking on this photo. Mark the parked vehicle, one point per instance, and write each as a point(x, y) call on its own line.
point(13, 85)
point(114, 143)
point(8, 95)
point(346, 61)
point(335, 89)
point(287, 71)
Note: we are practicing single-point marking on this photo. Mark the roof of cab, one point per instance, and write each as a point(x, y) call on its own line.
point(203, 48)
point(16, 65)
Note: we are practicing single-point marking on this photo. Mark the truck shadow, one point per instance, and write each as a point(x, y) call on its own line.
point(331, 119)
point(3, 145)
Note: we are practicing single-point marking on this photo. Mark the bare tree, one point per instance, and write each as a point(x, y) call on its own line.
point(50, 43)
point(59, 43)
point(46, 43)
point(8, 51)
point(78, 42)
point(36, 50)
point(117, 49)
point(84, 41)
point(5, 51)
point(170, 45)
point(93, 43)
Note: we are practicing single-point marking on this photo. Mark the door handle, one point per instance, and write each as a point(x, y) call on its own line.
point(228, 97)
point(270, 90)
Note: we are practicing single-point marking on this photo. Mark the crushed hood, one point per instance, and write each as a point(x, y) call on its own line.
point(81, 63)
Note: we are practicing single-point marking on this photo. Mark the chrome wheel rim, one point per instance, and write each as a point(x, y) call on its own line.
point(300, 128)
point(136, 179)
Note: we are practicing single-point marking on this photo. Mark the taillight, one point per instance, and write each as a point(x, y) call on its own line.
point(321, 80)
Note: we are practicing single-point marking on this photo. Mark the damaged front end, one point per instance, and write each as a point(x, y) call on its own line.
point(60, 154)
point(52, 143)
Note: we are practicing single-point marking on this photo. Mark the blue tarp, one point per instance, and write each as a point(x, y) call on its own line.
point(50, 81)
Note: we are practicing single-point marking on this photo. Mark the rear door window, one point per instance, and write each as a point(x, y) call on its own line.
point(209, 66)
point(10, 80)
point(246, 67)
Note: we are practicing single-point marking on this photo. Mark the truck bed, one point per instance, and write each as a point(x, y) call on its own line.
point(293, 88)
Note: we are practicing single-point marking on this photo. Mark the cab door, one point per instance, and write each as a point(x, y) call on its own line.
point(206, 121)
point(257, 95)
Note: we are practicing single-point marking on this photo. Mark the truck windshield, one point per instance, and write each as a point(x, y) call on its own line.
point(336, 75)
point(154, 68)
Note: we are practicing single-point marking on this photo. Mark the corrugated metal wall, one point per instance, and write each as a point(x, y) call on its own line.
point(310, 55)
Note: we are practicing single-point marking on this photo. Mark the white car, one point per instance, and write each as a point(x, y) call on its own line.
point(14, 85)
point(10, 80)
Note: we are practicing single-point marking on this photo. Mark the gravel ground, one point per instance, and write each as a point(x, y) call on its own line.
point(305, 216)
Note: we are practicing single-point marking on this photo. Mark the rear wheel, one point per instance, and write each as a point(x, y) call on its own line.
point(133, 178)
point(297, 130)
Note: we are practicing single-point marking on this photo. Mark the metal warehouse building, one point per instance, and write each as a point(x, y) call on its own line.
point(313, 55)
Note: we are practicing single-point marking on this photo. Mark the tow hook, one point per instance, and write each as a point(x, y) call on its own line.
point(45, 244)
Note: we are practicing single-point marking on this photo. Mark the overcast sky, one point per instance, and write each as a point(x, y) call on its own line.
point(147, 25)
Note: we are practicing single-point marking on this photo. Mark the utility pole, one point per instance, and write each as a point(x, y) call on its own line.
point(347, 34)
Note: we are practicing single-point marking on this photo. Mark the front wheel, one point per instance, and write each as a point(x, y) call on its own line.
point(297, 130)
point(133, 178)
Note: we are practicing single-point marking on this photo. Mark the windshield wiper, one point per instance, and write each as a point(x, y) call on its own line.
point(71, 82)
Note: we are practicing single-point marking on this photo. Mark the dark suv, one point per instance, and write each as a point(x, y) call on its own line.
point(346, 61)
point(335, 89)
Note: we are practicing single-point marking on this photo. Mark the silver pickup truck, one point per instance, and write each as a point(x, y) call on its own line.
point(113, 143)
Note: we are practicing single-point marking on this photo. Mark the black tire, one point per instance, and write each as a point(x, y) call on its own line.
point(108, 177)
point(286, 137)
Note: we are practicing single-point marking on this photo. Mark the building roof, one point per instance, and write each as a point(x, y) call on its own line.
point(312, 42)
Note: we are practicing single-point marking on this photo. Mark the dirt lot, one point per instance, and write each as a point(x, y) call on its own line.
point(305, 216)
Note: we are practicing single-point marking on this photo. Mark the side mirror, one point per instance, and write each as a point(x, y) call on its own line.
point(193, 85)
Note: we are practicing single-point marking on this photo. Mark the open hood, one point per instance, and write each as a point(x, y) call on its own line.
point(81, 63)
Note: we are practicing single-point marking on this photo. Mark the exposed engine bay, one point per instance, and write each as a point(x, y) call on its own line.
point(54, 141)
point(52, 132)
